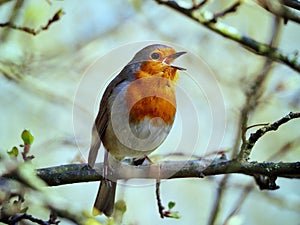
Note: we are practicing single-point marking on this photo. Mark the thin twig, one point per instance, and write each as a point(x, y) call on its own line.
point(231, 9)
point(199, 5)
point(29, 30)
point(245, 152)
point(18, 218)
point(158, 199)
point(257, 125)
point(25, 152)
point(12, 18)
point(157, 192)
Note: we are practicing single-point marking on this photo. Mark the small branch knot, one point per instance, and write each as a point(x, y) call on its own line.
point(266, 182)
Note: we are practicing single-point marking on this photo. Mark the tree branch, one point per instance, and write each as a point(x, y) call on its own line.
point(205, 18)
point(249, 144)
point(76, 173)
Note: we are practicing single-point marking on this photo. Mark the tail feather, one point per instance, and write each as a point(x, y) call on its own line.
point(95, 145)
point(105, 199)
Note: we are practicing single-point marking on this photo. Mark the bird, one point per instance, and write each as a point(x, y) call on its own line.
point(136, 114)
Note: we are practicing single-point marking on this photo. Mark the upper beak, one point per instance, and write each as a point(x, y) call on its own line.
point(172, 57)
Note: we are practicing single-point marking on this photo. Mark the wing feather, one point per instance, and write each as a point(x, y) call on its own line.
point(102, 118)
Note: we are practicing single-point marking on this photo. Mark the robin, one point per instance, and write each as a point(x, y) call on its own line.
point(136, 113)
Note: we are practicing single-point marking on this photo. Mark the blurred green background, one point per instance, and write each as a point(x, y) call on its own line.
point(40, 76)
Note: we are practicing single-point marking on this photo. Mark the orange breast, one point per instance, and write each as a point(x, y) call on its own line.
point(153, 93)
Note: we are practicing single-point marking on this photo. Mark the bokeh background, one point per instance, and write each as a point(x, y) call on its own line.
point(40, 76)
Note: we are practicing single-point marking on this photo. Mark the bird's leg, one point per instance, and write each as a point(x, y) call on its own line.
point(105, 165)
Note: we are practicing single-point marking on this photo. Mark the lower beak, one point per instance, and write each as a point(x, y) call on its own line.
point(172, 57)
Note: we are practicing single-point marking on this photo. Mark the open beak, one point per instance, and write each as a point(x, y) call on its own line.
point(172, 57)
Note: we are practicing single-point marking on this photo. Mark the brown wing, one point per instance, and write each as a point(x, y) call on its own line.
point(102, 118)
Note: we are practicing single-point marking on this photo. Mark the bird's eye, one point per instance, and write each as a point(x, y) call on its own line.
point(155, 55)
